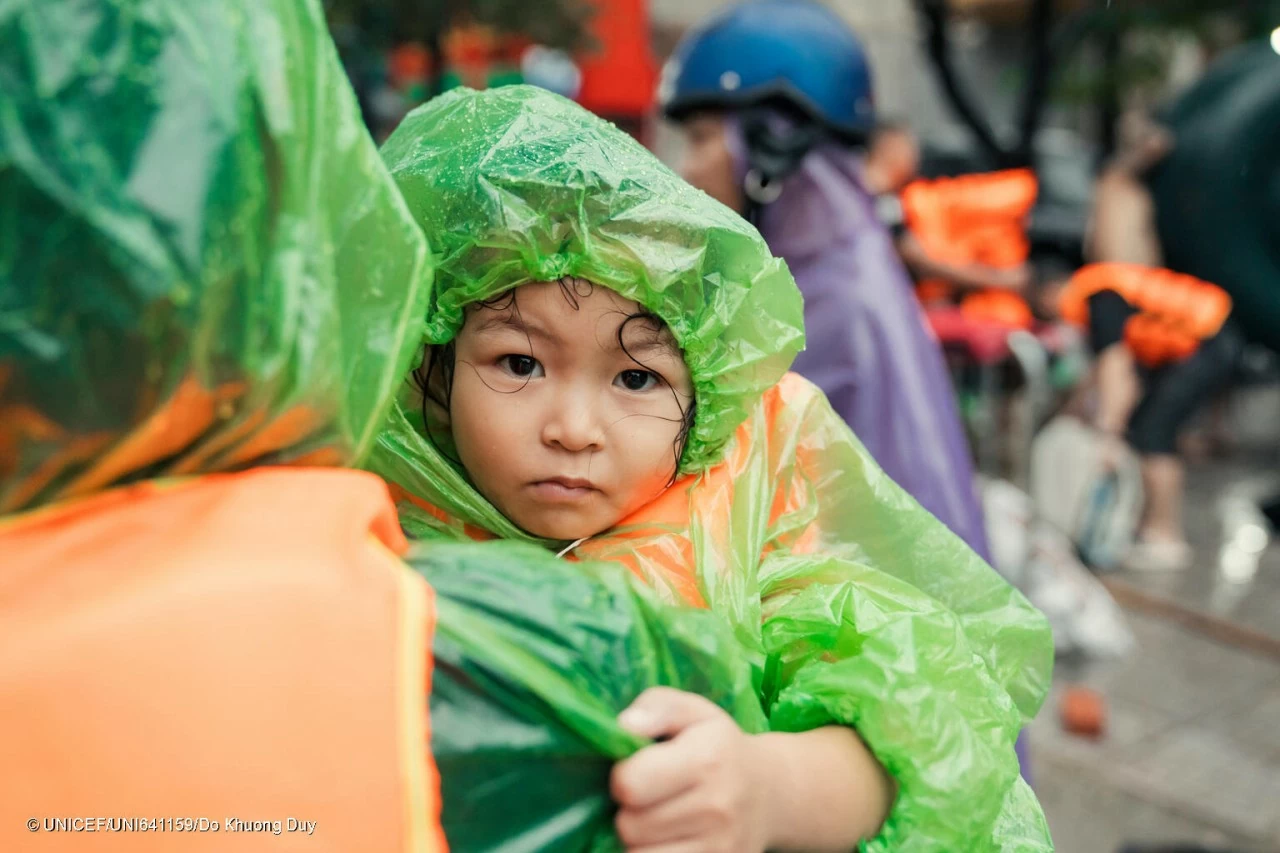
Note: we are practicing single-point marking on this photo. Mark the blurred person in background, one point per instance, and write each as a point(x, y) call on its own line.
point(775, 99)
point(892, 163)
point(776, 102)
point(1164, 343)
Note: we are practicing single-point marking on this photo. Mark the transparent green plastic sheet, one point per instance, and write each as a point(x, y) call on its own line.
point(203, 263)
point(534, 659)
point(853, 605)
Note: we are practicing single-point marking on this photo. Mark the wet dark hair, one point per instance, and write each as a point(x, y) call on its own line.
point(434, 377)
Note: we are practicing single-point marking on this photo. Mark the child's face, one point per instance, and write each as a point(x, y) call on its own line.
point(562, 425)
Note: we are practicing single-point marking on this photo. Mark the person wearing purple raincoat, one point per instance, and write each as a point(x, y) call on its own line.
point(775, 99)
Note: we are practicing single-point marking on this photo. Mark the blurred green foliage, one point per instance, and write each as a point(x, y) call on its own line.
point(1145, 36)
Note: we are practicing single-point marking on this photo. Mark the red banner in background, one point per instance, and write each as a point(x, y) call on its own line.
point(619, 77)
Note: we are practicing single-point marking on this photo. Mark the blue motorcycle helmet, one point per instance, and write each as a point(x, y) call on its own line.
point(790, 57)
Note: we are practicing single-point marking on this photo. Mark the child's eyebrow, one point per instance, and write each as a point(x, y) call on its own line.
point(503, 322)
point(662, 345)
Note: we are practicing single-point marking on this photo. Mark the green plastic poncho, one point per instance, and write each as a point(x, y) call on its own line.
point(188, 203)
point(854, 605)
point(204, 266)
point(534, 659)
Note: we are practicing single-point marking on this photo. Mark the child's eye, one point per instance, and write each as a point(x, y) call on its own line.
point(523, 366)
point(637, 380)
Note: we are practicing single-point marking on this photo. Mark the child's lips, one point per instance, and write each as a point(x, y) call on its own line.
point(563, 489)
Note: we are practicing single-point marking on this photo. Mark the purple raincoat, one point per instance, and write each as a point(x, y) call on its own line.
point(869, 347)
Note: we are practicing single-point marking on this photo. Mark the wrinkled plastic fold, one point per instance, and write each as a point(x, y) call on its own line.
point(203, 262)
point(534, 660)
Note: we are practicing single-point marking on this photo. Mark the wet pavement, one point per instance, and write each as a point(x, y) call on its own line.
point(1191, 752)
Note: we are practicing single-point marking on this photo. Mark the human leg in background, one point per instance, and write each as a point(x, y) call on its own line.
point(1174, 393)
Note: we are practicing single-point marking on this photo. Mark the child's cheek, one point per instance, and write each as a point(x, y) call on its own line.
point(651, 447)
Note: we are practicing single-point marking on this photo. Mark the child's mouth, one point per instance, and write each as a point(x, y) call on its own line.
point(563, 489)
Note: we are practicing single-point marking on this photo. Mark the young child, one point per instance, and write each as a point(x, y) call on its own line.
point(605, 375)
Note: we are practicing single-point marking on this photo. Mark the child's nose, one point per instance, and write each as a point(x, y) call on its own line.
point(574, 427)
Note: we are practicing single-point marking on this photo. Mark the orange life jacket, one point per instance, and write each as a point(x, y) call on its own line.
point(1175, 311)
point(975, 219)
point(242, 649)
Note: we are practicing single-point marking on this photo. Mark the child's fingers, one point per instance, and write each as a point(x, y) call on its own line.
point(653, 775)
point(665, 712)
point(668, 822)
point(690, 846)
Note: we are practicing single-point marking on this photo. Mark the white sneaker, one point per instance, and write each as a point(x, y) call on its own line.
point(1159, 555)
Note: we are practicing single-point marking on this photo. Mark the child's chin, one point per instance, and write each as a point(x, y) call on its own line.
point(564, 529)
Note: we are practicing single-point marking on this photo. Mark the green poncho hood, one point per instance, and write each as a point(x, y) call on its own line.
point(517, 185)
point(203, 263)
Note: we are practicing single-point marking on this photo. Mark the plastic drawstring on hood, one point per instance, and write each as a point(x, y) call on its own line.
point(568, 549)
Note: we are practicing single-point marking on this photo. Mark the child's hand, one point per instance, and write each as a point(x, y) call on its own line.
point(705, 789)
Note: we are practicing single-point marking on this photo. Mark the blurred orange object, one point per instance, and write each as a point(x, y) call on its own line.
point(1155, 340)
point(1175, 312)
point(999, 307)
point(410, 63)
point(620, 76)
point(975, 219)
point(468, 45)
point(1084, 712)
